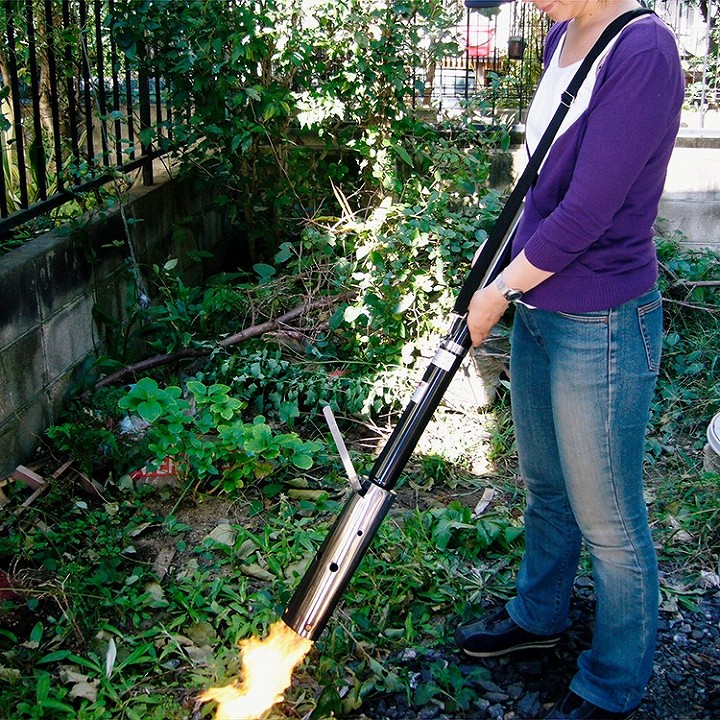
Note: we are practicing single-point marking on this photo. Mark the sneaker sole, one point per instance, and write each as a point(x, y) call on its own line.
point(533, 645)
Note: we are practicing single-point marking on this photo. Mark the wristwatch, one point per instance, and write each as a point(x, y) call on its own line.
point(508, 293)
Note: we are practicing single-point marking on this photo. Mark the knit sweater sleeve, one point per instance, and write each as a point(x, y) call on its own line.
point(636, 101)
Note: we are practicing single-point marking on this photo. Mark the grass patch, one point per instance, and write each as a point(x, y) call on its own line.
point(129, 604)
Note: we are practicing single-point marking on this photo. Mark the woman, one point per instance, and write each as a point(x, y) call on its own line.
point(585, 351)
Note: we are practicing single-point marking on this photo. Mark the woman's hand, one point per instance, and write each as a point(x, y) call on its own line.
point(488, 304)
point(486, 307)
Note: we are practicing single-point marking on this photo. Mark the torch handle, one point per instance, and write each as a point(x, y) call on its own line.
point(414, 419)
point(423, 403)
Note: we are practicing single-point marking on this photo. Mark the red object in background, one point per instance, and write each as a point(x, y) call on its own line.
point(480, 41)
point(5, 594)
point(167, 468)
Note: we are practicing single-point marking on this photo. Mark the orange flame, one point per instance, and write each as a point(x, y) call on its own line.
point(267, 668)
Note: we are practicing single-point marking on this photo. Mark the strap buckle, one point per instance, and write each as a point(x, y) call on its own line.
point(567, 99)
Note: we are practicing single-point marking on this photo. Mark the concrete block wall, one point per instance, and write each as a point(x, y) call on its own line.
point(691, 199)
point(48, 289)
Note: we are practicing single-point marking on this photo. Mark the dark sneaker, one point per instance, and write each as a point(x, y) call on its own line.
point(573, 707)
point(498, 635)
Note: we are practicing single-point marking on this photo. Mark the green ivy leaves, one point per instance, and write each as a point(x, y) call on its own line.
point(204, 429)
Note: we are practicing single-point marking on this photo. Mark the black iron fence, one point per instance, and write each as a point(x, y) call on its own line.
point(504, 67)
point(73, 113)
point(499, 64)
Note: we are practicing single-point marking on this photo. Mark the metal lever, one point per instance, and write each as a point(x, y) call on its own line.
point(340, 444)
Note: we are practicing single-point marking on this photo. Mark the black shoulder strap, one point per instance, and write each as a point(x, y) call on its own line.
point(494, 243)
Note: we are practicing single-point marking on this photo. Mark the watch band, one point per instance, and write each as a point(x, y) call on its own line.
point(508, 293)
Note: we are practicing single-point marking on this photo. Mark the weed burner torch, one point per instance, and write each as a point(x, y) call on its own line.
point(330, 571)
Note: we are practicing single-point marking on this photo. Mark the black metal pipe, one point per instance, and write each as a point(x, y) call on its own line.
point(114, 63)
point(54, 96)
point(145, 123)
point(72, 99)
point(423, 403)
point(324, 582)
point(100, 74)
point(87, 83)
point(36, 147)
point(3, 187)
point(129, 106)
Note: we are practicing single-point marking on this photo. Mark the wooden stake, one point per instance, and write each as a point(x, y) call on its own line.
point(27, 476)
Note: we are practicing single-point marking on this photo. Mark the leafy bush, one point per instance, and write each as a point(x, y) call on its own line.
point(91, 435)
point(689, 385)
point(243, 79)
point(406, 269)
point(208, 437)
point(286, 389)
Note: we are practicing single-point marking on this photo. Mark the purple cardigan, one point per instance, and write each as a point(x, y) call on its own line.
point(589, 218)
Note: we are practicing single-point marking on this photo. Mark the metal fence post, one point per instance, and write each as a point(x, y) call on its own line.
point(145, 125)
point(36, 147)
point(16, 106)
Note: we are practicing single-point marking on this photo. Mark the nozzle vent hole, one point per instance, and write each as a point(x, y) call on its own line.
point(360, 532)
point(334, 567)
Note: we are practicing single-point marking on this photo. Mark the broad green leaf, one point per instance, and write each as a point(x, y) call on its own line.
point(264, 271)
point(403, 153)
point(304, 462)
point(150, 410)
point(352, 313)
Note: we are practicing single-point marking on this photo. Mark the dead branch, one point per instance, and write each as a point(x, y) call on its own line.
point(694, 306)
point(698, 283)
point(246, 334)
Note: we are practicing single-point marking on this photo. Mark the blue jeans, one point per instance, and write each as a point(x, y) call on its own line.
point(581, 392)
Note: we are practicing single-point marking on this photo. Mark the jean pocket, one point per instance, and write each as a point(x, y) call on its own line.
point(650, 319)
point(598, 316)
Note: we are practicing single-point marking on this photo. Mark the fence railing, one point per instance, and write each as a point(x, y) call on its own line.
point(490, 53)
point(73, 112)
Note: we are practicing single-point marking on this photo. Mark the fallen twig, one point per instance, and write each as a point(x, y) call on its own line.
point(694, 306)
point(698, 283)
point(246, 334)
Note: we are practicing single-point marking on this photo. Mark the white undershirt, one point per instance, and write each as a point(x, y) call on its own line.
point(554, 81)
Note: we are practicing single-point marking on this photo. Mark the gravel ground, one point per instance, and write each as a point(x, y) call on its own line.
point(685, 684)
